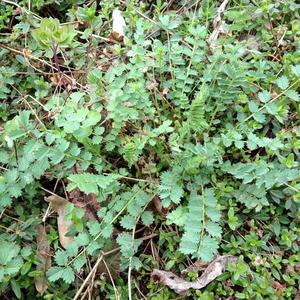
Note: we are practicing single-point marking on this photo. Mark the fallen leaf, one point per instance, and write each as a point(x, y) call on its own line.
point(44, 256)
point(157, 203)
point(279, 286)
point(59, 205)
point(118, 25)
point(180, 286)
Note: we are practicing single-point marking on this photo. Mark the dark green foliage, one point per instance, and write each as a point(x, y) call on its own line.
point(201, 229)
point(169, 147)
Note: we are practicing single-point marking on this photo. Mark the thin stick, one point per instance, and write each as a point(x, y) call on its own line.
point(2, 212)
point(46, 213)
point(65, 190)
point(111, 279)
point(129, 178)
point(164, 98)
point(100, 258)
point(88, 277)
point(48, 191)
point(137, 287)
point(129, 280)
point(99, 37)
point(217, 23)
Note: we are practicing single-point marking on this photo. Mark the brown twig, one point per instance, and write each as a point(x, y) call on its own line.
point(164, 98)
point(100, 258)
point(275, 38)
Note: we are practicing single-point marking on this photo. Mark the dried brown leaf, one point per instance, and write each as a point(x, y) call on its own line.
point(59, 205)
point(44, 256)
point(157, 203)
point(180, 286)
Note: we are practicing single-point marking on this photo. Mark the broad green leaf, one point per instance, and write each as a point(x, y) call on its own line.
point(292, 94)
point(264, 96)
point(147, 218)
point(61, 257)
point(282, 82)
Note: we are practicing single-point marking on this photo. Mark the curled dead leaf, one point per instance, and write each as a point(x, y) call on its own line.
point(59, 205)
point(180, 286)
point(44, 256)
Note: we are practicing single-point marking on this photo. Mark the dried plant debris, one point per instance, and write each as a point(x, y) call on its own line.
point(195, 267)
point(180, 286)
point(88, 203)
point(44, 256)
point(59, 205)
point(219, 25)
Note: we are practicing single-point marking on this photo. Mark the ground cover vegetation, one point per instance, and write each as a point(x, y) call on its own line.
point(162, 148)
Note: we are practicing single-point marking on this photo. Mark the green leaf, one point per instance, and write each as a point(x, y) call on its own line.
point(89, 183)
point(214, 229)
point(177, 216)
point(170, 189)
point(259, 117)
point(92, 118)
point(292, 94)
point(7, 252)
point(201, 228)
point(147, 218)
point(61, 258)
point(282, 82)
point(264, 96)
point(130, 153)
point(296, 70)
point(196, 117)
point(79, 262)
point(275, 227)
point(68, 275)
point(55, 273)
point(82, 239)
point(94, 228)
point(16, 288)
point(107, 231)
point(253, 107)
point(128, 222)
point(13, 266)
point(128, 246)
point(207, 249)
